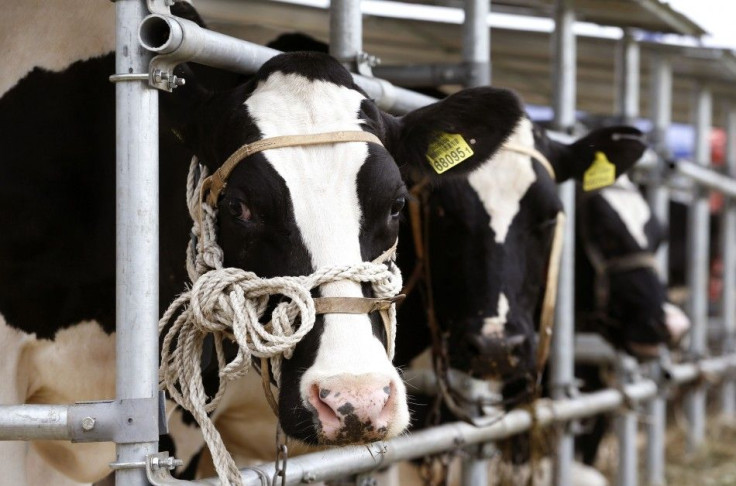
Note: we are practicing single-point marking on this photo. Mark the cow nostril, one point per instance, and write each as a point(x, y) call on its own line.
point(325, 412)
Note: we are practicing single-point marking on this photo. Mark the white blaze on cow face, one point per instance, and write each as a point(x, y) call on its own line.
point(495, 326)
point(627, 202)
point(322, 182)
point(502, 182)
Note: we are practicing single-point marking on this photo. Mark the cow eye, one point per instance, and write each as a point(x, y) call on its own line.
point(397, 206)
point(239, 210)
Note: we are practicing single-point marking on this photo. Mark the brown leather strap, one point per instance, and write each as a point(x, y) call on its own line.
point(353, 305)
point(214, 184)
point(633, 261)
point(549, 301)
point(532, 152)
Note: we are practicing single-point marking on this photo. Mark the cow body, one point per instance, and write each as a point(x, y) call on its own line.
point(284, 212)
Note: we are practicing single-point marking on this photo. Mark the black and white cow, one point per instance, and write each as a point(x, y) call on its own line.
point(489, 242)
point(630, 309)
point(619, 291)
point(286, 211)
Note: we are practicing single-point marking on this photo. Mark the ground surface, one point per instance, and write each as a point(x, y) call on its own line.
point(714, 464)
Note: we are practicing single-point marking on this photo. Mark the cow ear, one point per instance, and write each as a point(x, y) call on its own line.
point(454, 136)
point(600, 157)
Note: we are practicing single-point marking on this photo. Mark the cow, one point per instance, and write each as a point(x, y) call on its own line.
point(285, 211)
point(619, 291)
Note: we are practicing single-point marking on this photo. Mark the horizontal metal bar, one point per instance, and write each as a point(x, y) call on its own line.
point(469, 388)
point(177, 40)
point(706, 177)
point(423, 75)
point(121, 421)
point(32, 422)
point(593, 349)
point(332, 464)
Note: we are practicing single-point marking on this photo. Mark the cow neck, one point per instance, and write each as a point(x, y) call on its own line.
point(605, 267)
point(419, 216)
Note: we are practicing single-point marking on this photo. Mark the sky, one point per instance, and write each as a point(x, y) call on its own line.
point(716, 16)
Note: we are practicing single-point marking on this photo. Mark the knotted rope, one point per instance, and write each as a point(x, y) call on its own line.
point(231, 303)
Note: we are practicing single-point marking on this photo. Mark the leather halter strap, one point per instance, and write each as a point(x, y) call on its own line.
point(533, 153)
point(549, 301)
point(214, 184)
point(605, 267)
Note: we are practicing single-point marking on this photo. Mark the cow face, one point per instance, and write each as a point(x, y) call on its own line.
point(290, 211)
point(619, 230)
point(490, 236)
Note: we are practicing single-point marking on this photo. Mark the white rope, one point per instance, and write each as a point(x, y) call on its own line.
point(230, 303)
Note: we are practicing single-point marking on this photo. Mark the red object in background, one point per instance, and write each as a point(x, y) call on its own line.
point(718, 147)
point(718, 159)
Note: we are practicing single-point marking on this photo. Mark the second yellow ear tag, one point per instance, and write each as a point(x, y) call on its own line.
point(601, 173)
point(447, 150)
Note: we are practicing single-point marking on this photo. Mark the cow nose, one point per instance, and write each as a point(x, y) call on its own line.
point(353, 408)
point(496, 355)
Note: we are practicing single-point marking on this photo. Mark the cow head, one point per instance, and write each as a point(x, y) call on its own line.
point(490, 236)
point(626, 298)
point(292, 210)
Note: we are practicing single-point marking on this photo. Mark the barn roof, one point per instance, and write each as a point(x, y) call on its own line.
point(521, 59)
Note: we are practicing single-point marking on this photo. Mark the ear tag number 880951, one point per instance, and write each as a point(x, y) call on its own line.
point(447, 150)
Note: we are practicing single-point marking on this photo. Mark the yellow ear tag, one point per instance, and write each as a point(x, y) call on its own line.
point(601, 173)
point(447, 150)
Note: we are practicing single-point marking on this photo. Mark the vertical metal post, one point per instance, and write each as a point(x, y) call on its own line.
point(728, 391)
point(626, 425)
point(346, 31)
point(697, 279)
point(477, 42)
point(658, 194)
point(627, 78)
point(562, 354)
point(477, 60)
point(627, 88)
point(137, 233)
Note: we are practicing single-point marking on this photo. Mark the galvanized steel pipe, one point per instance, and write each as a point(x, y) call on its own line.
point(698, 266)
point(423, 75)
point(659, 201)
point(335, 463)
point(477, 43)
point(346, 31)
point(34, 422)
point(561, 356)
point(706, 178)
point(728, 391)
point(185, 41)
point(627, 78)
point(137, 228)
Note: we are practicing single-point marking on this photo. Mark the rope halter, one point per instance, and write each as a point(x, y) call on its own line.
point(231, 303)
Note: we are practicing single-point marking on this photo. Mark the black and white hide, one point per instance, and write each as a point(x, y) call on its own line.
point(489, 244)
point(627, 302)
point(286, 211)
